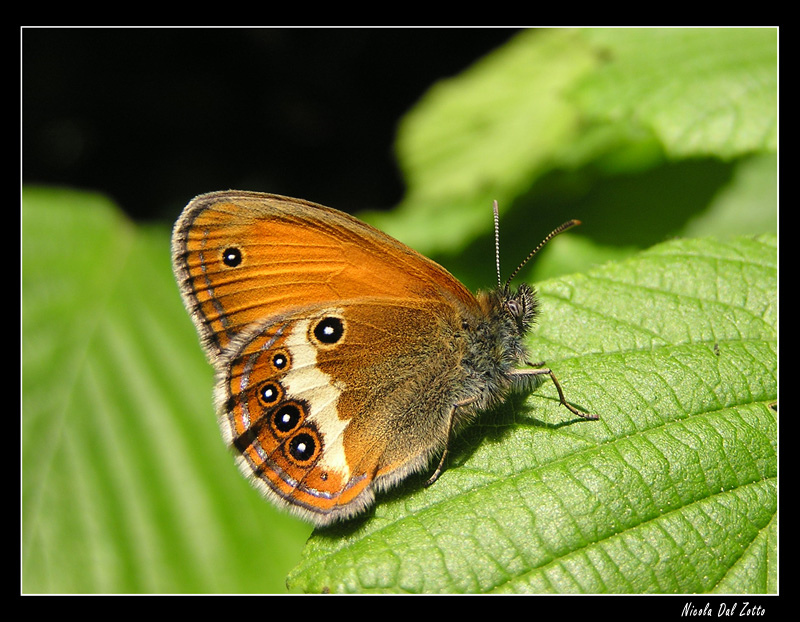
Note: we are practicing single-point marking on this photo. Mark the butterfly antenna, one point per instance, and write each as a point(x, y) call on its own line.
point(567, 225)
point(497, 241)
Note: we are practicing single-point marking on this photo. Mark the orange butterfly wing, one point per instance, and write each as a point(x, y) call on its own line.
point(368, 410)
point(294, 254)
point(316, 423)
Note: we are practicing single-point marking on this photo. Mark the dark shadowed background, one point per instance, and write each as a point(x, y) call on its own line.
point(153, 117)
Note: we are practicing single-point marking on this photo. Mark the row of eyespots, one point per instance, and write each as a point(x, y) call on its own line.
point(286, 419)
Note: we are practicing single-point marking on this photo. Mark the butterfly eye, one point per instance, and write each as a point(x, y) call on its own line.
point(329, 330)
point(232, 257)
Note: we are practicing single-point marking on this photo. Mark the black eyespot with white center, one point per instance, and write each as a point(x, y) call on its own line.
point(269, 393)
point(280, 361)
point(329, 330)
point(303, 447)
point(232, 257)
point(287, 418)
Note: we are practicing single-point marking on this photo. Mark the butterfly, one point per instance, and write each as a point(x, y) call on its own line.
point(345, 361)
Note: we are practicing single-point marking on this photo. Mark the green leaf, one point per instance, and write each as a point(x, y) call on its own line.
point(703, 91)
point(469, 133)
point(485, 135)
point(126, 483)
point(638, 129)
point(747, 203)
point(674, 490)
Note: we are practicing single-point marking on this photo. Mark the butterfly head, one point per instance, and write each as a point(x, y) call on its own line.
point(514, 311)
point(506, 317)
point(520, 305)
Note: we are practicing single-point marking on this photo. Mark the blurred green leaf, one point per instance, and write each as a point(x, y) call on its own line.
point(496, 123)
point(747, 203)
point(484, 135)
point(703, 91)
point(673, 490)
point(634, 131)
point(126, 483)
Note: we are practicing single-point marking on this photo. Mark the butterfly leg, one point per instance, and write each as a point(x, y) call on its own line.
point(549, 372)
point(440, 467)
